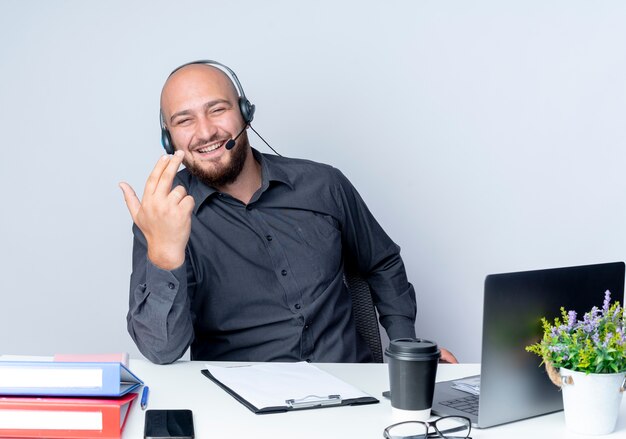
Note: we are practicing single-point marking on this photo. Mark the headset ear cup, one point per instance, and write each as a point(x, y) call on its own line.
point(166, 141)
point(247, 110)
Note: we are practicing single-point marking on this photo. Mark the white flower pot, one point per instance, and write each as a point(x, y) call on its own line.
point(591, 402)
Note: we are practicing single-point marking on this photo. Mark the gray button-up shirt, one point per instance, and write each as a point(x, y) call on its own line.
point(264, 281)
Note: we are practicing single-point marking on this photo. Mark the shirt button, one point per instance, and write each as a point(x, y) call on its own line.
point(268, 237)
point(284, 272)
point(248, 207)
point(297, 306)
point(171, 286)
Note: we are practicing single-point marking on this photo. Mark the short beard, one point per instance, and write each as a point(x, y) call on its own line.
point(221, 177)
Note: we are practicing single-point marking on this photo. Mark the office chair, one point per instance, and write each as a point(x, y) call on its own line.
point(364, 312)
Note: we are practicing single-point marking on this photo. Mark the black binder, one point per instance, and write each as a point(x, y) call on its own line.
point(301, 402)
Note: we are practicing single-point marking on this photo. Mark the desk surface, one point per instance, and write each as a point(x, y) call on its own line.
point(218, 415)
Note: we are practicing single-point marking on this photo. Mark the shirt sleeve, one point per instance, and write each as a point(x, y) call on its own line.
point(377, 259)
point(159, 316)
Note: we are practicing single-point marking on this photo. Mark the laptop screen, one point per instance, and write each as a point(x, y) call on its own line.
point(513, 385)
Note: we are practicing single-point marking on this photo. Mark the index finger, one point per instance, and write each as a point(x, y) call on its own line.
point(164, 186)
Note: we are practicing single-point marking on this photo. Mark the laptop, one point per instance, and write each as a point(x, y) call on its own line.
point(513, 386)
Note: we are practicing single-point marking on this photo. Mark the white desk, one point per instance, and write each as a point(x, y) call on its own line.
point(218, 415)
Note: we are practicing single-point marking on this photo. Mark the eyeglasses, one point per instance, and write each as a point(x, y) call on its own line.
point(448, 427)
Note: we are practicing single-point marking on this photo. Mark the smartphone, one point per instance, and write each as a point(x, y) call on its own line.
point(168, 424)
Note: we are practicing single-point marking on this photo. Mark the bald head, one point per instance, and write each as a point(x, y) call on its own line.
point(194, 86)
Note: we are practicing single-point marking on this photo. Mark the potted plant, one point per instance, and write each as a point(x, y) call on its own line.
point(587, 359)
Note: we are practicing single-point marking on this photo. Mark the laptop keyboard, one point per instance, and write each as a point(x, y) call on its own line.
point(467, 404)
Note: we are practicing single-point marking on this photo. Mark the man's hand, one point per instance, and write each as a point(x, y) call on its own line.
point(447, 357)
point(163, 214)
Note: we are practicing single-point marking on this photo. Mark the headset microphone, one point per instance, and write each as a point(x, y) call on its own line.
point(231, 143)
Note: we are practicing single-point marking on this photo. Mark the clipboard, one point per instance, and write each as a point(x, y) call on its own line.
point(282, 387)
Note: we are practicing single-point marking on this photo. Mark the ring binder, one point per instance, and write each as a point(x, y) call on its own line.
point(313, 401)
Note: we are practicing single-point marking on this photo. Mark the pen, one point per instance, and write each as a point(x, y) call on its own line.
point(144, 397)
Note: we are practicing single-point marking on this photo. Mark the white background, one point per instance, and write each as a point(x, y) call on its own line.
point(486, 136)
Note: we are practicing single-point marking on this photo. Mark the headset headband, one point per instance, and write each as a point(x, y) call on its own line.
point(222, 67)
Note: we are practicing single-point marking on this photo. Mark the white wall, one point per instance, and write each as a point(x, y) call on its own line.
point(486, 136)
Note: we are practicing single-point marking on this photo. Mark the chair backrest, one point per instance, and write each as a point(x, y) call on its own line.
point(364, 312)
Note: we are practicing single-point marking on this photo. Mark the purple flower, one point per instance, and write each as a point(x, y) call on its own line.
point(571, 320)
point(596, 338)
point(590, 321)
point(621, 336)
point(607, 301)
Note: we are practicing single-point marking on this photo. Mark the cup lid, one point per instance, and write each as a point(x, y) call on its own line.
point(412, 346)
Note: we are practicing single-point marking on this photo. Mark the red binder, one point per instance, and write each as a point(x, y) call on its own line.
point(67, 418)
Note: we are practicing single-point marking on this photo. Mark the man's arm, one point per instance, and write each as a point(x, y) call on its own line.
point(378, 259)
point(159, 316)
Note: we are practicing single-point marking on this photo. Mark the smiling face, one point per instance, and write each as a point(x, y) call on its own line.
point(201, 111)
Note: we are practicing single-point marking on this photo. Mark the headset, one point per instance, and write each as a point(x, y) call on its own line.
point(246, 108)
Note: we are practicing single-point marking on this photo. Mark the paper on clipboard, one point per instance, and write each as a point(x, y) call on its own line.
point(287, 386)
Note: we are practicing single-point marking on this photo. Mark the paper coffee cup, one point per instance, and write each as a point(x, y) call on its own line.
point(412, 372)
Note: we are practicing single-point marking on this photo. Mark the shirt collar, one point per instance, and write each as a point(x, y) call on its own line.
point(270, 172)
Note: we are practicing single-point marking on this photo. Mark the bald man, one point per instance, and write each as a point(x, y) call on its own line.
point(240, 255)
